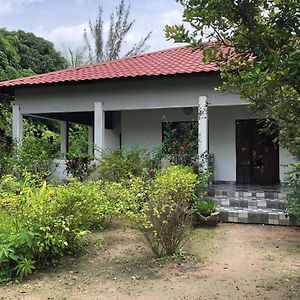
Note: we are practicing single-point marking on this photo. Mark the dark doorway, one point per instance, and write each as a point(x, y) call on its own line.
point(257, 156)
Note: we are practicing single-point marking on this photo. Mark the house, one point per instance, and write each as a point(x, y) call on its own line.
point(126, 101)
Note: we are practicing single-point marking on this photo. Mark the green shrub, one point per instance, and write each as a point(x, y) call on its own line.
point(126, 196)
point(78, 139)
point(39, 225)
point(79, 166)
point(204, 207)
point(13, 184)
point(164, 215)
point(180, 144)
point(88, 204)
point(293, 197)
point(34, 156)
point(117, 165)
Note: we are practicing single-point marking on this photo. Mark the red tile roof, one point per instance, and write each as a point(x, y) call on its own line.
point(181, 60)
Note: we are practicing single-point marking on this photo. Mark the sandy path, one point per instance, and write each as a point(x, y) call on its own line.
point(233, 262)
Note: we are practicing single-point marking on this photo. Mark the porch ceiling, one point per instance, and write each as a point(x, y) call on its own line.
point(84, 118)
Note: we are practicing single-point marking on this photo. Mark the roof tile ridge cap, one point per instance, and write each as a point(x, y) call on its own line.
point(139, 55)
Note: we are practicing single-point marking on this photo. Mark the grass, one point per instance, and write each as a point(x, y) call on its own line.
point(291, 284)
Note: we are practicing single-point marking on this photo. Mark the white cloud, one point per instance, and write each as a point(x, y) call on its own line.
point(171, 17)
point(64, 36)
point(14, 6)
point(68, 36)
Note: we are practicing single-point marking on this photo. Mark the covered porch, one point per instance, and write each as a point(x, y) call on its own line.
point(124, 128)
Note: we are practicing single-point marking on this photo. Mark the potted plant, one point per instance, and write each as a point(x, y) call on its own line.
point(205, 213)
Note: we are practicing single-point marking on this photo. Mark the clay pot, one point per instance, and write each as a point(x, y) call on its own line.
point(210, 220)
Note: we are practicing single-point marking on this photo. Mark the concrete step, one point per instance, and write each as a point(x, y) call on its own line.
point(251, 203)
point(246, 194)
point(256, 216)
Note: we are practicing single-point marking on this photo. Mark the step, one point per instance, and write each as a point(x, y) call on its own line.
point(246, 194)
point(256, 216)
point(253, 203)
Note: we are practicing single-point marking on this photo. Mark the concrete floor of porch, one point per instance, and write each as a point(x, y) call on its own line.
point(251, 204)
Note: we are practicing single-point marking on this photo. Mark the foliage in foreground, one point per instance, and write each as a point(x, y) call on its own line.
point(164, 217)
point(40, 224)
point(294, 195)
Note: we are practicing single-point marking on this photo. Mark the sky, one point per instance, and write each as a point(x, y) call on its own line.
point(63, 21)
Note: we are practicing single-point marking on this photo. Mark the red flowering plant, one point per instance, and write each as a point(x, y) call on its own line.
point(180, 142)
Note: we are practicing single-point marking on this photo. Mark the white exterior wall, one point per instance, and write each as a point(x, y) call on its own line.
point(285, 158)
point(112, 139)
point(124, 95)
point(144, 127)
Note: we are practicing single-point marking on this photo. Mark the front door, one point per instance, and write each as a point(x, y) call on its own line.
point(257, 154)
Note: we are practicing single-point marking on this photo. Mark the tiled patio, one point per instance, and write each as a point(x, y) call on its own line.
point(251, 203)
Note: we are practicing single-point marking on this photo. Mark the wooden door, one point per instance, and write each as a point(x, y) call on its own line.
point(257, 154)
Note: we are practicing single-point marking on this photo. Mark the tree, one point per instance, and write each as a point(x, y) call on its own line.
point(100, 49)
point(29, 54)
point(21, 54)
point(256, 43)
point(75, 57)
point(10, 59)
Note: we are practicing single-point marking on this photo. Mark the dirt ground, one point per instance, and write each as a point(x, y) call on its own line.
point(230, 262)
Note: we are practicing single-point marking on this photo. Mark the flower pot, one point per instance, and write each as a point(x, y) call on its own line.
point(211, 219)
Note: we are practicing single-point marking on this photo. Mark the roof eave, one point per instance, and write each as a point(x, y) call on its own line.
point(10, 90)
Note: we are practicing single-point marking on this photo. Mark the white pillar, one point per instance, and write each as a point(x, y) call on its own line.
point(63, 137)
point(203, 132)
point(91, 140)
point(17, 124)
point(99, 127)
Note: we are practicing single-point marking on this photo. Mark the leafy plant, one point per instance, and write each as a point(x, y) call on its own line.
point(117, 165)
point(78, 139)
point(164, 216)
point(204, 207)
point(256, 46)
point(293, 197)
point(180, 143)
point(78, 166)
point(25, 266)
point(40, 224)
point(36, 153)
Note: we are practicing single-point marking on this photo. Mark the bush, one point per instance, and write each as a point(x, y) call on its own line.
point(180, 145)
point(34, 156)
point(79, 166)
point(204, 207)
point(293, 197)
point(39, 225)
point(117, 165)
point(88, 204)
point(164, 216)
point(78, 139)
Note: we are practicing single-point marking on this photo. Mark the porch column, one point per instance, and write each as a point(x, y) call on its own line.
point(99, 127)
point(91, 140)
point(63, 137)
point(203, 133)
point(17, 124)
